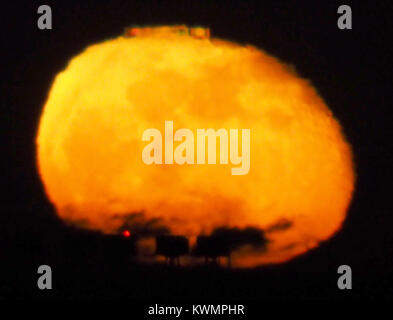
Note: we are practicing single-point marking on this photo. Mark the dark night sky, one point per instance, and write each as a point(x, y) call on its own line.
point(350, 68)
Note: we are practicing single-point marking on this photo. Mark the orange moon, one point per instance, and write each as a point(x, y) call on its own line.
point(89, 142)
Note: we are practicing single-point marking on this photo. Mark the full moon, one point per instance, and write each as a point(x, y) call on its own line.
point(89, 143)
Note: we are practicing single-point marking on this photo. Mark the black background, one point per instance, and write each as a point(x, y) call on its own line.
point(351, 70)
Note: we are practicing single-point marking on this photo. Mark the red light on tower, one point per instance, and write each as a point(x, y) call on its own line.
point(126, 233)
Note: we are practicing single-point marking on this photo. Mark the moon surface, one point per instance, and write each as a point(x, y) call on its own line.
point(89, 142)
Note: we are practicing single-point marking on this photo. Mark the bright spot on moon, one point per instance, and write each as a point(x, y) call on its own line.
point(89, 142)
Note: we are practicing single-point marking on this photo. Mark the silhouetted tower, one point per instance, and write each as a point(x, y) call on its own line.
point(172, 247)
point(212, 248)
point(223, 241)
